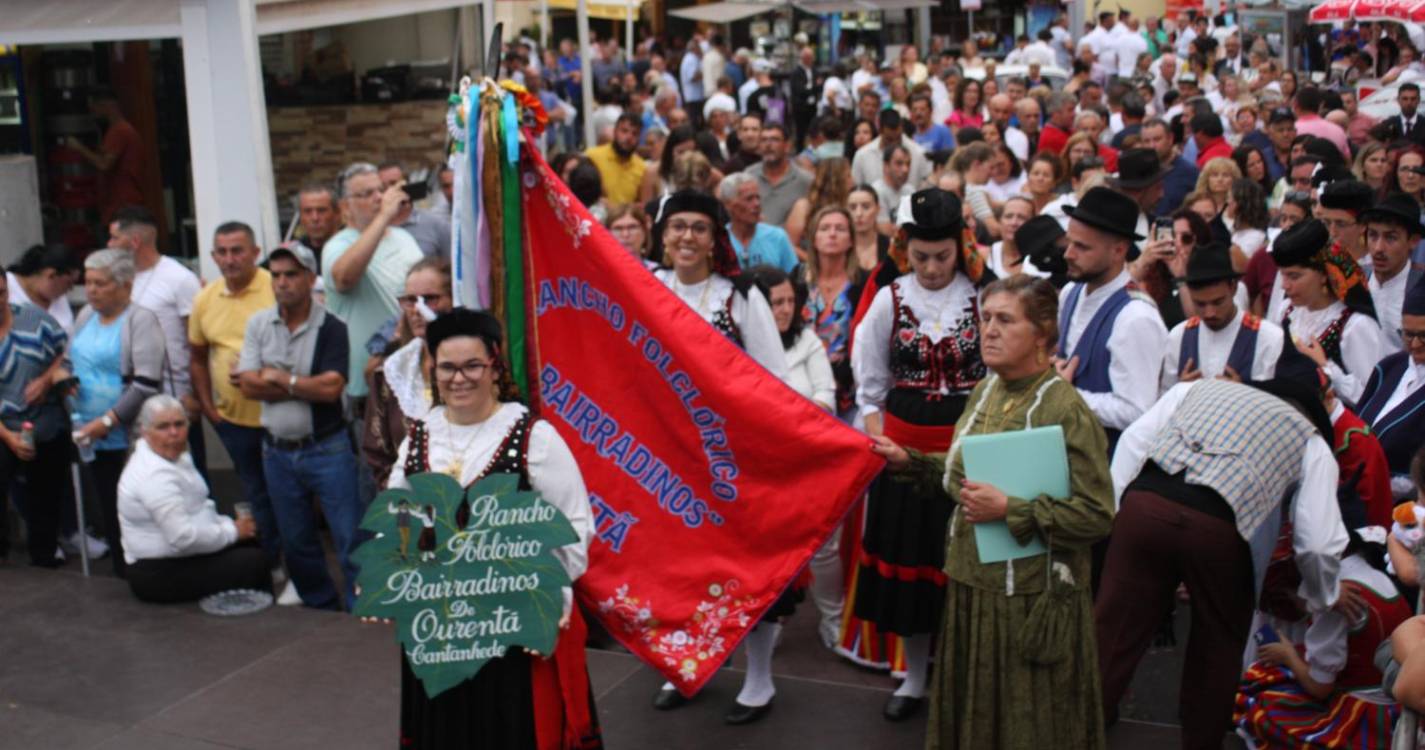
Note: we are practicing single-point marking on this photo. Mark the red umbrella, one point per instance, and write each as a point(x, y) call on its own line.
point(1416, 11)
point(1332, 10)
point(1373, 10)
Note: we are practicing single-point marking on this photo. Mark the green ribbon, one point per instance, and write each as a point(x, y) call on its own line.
point(515, 325)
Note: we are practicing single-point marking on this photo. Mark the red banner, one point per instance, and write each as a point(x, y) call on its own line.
point(712, 483)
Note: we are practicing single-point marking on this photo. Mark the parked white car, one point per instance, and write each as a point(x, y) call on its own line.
point(1056, 76)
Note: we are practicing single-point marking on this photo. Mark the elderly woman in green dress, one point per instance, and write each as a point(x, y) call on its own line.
point(1017, 663)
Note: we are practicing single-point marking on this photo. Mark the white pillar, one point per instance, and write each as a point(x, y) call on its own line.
point(546, 34)
point(586, 73)
point(227, 123)
point(487, 27)
point(629, 8)
point(922, 30)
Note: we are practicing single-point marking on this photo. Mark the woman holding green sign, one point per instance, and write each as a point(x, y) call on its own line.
point(520, 699)
point(1016, 666)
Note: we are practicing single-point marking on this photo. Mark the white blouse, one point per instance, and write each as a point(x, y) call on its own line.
point(809, 369)
point(997, 264)
point(553, 472)
point(938, 311)
point(751, 314)
point(406, 380)
point(1361, 346)
point(164, 509)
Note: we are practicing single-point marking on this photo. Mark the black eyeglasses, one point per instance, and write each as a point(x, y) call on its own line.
point(1406, 335)
point(445, 371)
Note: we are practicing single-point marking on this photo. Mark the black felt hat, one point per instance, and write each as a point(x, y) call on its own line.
point(1037, 240)
point(934, 215)
point(1302, 244)
point(1399, 209)
point(1138, 168)
point(1322, 149)
point(1414, 298)
point(1210, 263)
point(1109, 211)
point(462, 321)
point(1298, 381)
point(1349, 195)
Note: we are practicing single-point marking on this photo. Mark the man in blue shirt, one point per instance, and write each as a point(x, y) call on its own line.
point(755, 243)
point(569, 65)
point(930, 136)
point(1181, 174)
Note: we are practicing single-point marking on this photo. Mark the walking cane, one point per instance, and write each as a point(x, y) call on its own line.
point(79, 510)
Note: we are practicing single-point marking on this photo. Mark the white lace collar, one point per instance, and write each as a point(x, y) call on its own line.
point(407, 382)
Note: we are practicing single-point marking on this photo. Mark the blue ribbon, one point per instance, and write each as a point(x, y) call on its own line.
point(511, 126)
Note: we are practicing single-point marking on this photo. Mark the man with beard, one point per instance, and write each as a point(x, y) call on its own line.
point(620, 166)
point(748, 141)
point(1393, 229)
point(120, 158)
point(780, 182)
point(1221, 340)
point(1111, 338)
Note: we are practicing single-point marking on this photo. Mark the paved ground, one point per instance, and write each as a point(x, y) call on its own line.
point(84, 665)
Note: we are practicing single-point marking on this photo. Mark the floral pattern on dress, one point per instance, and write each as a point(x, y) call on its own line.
point(691, 649)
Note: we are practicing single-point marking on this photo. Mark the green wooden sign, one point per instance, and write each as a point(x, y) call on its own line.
point(463, 595)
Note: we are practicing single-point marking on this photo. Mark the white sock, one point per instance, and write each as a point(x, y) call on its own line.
point(757, 687)
point(668, 686)
point(917, 666)
point(826, 580)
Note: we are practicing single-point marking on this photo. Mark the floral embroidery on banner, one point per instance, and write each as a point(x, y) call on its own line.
point(688, 648)
point(578, 227)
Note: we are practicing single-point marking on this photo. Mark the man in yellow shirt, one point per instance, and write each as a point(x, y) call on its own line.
point(620, 166)
point(215, 335)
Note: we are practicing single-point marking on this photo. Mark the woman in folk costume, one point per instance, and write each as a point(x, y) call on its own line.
point(916, 357)
point(1015, 667)
point(1327, 694)
point(694, 250)
point(478, 428)
point(1329, 310)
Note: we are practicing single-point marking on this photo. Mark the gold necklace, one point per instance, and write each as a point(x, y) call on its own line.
point(456, 466)
point(674, 283)
point(1008, 405)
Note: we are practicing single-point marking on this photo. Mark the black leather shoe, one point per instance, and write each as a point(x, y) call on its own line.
point(740, 714)
point(668, 699)
point(902, 707)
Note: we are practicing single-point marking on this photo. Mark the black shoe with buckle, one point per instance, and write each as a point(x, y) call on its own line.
point(902, 707)
point(668, 699)
point(740, 714)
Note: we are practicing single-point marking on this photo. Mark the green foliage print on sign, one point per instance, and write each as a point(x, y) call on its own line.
point(463, 596)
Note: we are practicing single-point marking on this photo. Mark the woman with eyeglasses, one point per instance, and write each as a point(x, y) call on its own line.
point(480, 428)
point(692, 245)
point(400, 380)
point(1407, 173)
point(629, 225)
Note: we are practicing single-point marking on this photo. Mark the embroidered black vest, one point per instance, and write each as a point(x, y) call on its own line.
point(918, 364)
point(512, 457)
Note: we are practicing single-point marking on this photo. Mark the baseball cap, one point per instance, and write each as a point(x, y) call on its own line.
point(298, 252)
point(1281, 114)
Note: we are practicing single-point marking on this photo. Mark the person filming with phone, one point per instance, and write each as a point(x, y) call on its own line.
point(430, 230)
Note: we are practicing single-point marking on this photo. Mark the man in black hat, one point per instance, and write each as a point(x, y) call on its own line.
point(1393, 231)
point(1140, 177)
point(1111, 337)
point(1221, 340)
point(1341, 205)
point(1041, 242)
point(1393, 402)
point(1201, 480)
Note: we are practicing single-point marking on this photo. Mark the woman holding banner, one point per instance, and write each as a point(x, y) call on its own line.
point(519, 700)
point(916, 357)
point(691, 243)
point(1016, 664)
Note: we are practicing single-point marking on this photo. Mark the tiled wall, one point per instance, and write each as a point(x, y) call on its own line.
point(315, 143)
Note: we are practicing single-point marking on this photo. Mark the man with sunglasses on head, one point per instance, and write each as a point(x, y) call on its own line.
point(294, 361)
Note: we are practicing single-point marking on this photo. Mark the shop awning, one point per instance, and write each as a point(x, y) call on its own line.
point(281, 16)
point(824, 7)
point(725, 12)
point(68, 22)
point(611, 10)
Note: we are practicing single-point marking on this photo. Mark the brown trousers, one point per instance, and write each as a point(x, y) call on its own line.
point(1157, 543)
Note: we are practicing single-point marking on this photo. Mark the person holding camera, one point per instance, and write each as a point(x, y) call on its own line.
point(429, 229)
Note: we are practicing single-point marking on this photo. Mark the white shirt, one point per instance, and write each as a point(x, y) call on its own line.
point(1213, 348)
point(751, 314)
point(1410, 382)
point(164, 509)
point(1389, 298)
point(867, 165)
point(862, 78)
point(59, 309)
point(1003, 191)
point(713, 66)
point(1318, 536)
point(1185, 40)
point(1062, 41)
point(168, 289)
point(941, 105)
point(1361, 346)
point(1249, 241)
point(691, 75)
point(552, 471)
point(1129, 46)
point(744, 91)
point(1018, 142)
point(889, 199)
point(1027, 267)
point(1040, 52)
point(835, 94)
point(1136, 353)
point(938, 311)
point(809, 369)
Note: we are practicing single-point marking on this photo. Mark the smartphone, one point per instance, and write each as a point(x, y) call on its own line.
point(1266, 634)
point(416, 190)
point(1163, 230)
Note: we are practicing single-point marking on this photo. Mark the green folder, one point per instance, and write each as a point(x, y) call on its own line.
point(1023, 464)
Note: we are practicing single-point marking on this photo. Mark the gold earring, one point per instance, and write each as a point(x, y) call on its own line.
point(1039, 357)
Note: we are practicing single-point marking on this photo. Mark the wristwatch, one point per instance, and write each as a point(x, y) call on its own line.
point(292, 385)
point(107, 421)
